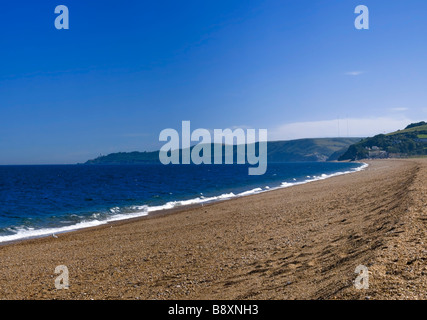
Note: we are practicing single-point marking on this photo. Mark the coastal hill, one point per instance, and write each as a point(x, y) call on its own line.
point(412, 141)
point(322, 149)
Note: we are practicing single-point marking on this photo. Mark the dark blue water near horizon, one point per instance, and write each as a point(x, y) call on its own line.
point(40, 200)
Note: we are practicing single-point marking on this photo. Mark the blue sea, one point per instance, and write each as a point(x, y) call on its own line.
point(44, 200)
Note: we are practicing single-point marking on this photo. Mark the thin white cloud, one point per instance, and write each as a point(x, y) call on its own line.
point(354, 73)
point(352, 127)
point(399, 109)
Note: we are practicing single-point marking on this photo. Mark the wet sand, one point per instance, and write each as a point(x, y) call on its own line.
point(303, 242)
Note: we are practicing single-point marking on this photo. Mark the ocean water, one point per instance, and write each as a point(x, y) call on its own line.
point(44, 200)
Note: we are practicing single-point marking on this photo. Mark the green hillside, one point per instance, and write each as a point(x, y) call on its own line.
point(411, 141)
point(420, 128)
point(325, 149)
point(322, 149)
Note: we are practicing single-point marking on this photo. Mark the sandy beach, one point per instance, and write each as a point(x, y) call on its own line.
point(303, 242)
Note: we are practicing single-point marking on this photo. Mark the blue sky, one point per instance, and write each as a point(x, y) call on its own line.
point(125, 70)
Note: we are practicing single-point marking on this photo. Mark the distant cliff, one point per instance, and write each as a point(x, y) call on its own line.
point(322, 149)
point(412, 141)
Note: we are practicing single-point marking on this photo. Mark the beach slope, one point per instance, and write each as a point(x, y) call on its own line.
point(303, 242)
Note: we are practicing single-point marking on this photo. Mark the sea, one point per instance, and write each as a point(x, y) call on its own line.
point(46, 200)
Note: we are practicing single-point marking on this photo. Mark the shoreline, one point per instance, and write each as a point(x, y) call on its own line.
point(140, 215)
point(302, 242)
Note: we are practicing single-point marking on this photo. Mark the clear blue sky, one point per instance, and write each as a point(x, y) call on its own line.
point(125, 70)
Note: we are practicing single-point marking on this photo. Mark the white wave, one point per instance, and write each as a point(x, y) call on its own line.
point(115, 210)
point(322, 176)
point(288, 184)
point(249, 192)
point(198, 200)
point(25, 233)
point(28, 232)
